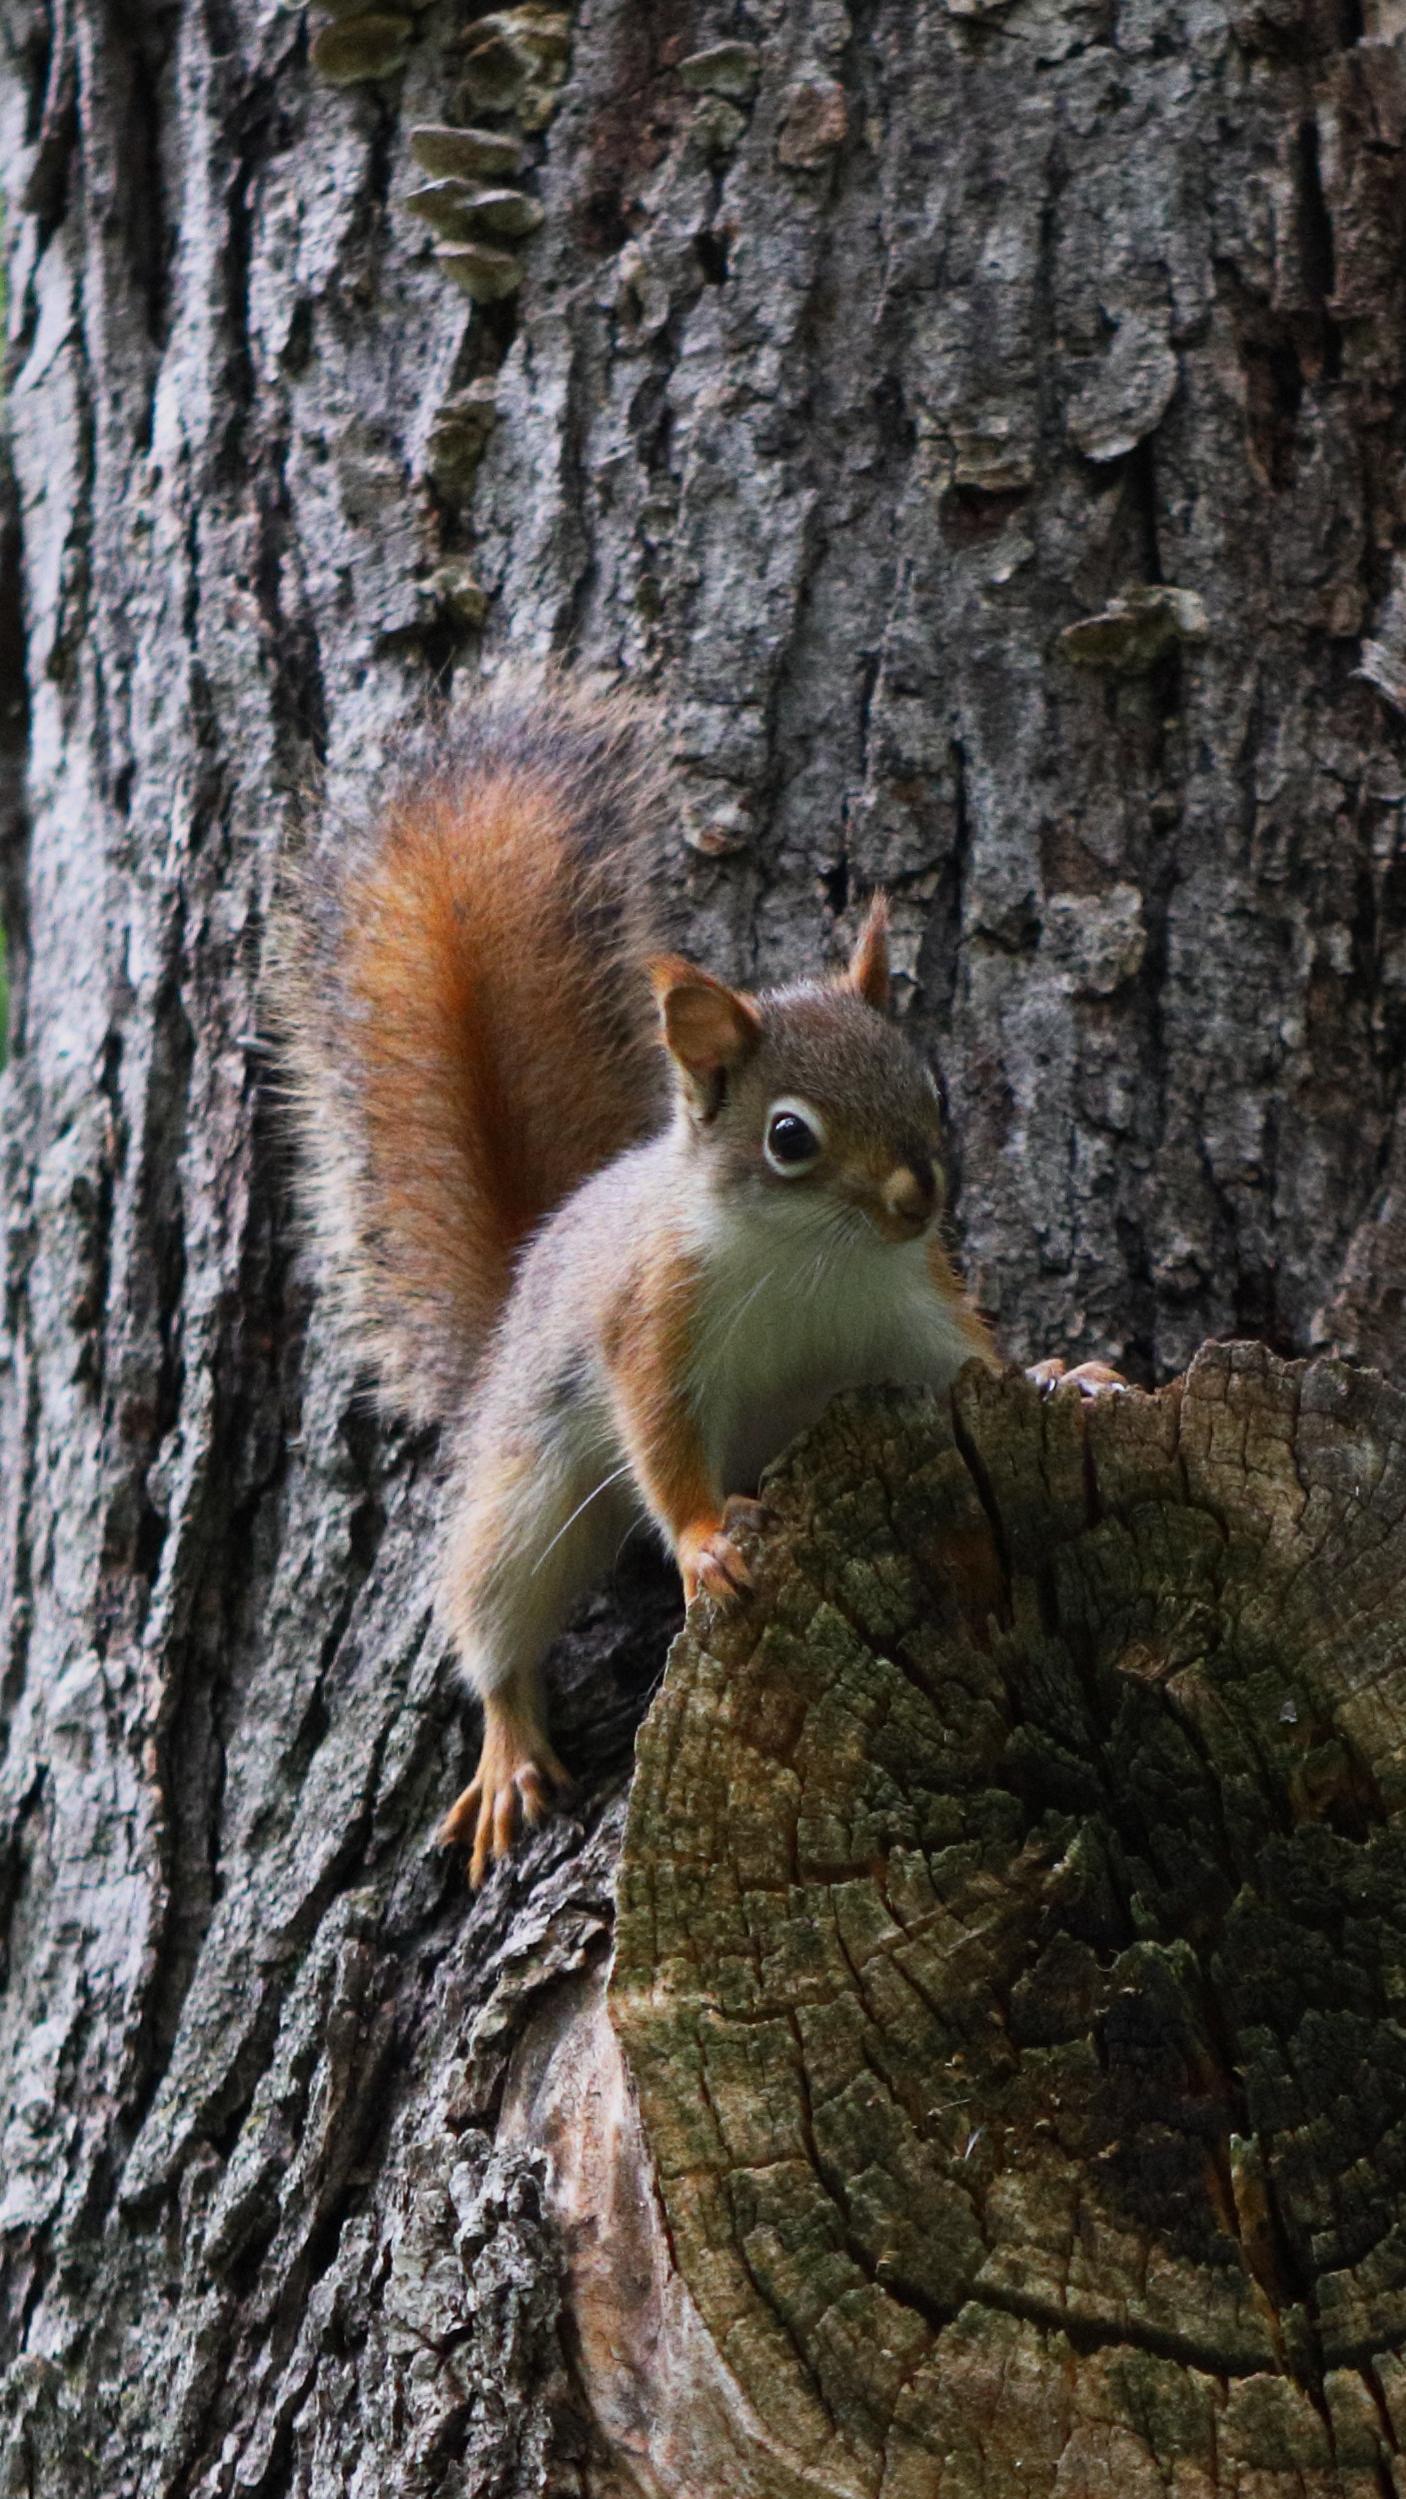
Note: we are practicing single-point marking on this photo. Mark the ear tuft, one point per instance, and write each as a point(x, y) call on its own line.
point(708, 1028)
point(868, 973)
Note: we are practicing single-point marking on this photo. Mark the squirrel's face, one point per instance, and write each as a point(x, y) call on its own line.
point(808, 1101)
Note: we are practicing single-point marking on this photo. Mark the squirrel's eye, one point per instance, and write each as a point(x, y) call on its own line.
point(792, 1141)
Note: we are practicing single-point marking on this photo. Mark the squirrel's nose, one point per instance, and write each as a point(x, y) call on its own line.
point(910, 1193)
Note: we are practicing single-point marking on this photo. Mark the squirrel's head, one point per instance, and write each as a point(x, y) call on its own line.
point(808, 1095)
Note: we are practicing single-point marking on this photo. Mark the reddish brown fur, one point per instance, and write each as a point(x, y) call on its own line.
point(868, 973)
point(706, 1025)
point(649, 1339)
point(465, 1014)
point(475, 1135)
point(648, 1342)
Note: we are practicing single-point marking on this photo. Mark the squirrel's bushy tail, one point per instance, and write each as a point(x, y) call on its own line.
point(460, 992)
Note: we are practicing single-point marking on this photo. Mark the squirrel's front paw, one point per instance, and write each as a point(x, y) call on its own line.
point(511, 1790)
point(708, 1558)
point(1091, 1379)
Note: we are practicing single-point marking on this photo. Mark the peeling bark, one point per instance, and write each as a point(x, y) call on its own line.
point(861, 355)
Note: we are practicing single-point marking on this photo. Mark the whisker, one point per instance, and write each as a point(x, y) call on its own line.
point(820, 1269)
point(596, 1489)
point(743, 1307)
point(632, 1530)
point(836, 1235)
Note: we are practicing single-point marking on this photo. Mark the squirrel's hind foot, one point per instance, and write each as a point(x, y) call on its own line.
point(512, 1789)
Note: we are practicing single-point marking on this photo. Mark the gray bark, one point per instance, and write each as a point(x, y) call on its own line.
point(985, 429)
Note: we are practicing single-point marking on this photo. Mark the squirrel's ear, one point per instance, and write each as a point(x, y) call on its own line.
point(868, 973)
point(708, 1028)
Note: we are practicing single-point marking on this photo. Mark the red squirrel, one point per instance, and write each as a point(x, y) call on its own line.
point(625, 1276)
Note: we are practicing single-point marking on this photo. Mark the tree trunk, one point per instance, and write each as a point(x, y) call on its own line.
point(984, 425)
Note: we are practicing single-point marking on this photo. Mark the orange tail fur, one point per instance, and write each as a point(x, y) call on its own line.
point(465, 1016)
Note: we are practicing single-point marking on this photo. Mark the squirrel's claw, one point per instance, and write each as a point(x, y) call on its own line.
point(709, 1559)
point(511, 1790)
point(720, 1570)
point(1091, 1379)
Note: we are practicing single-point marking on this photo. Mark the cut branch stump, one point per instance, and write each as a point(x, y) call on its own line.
point(1011, 1964)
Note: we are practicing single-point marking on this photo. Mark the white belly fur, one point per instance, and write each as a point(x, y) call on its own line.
point(792, 1314)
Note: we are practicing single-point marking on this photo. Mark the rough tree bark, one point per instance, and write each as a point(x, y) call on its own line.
point(984, 424)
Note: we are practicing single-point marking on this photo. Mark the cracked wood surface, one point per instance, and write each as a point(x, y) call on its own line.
point(861, 355)
point(1011, 1957)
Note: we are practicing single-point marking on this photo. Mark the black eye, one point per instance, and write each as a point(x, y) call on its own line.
point(790, 1141)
